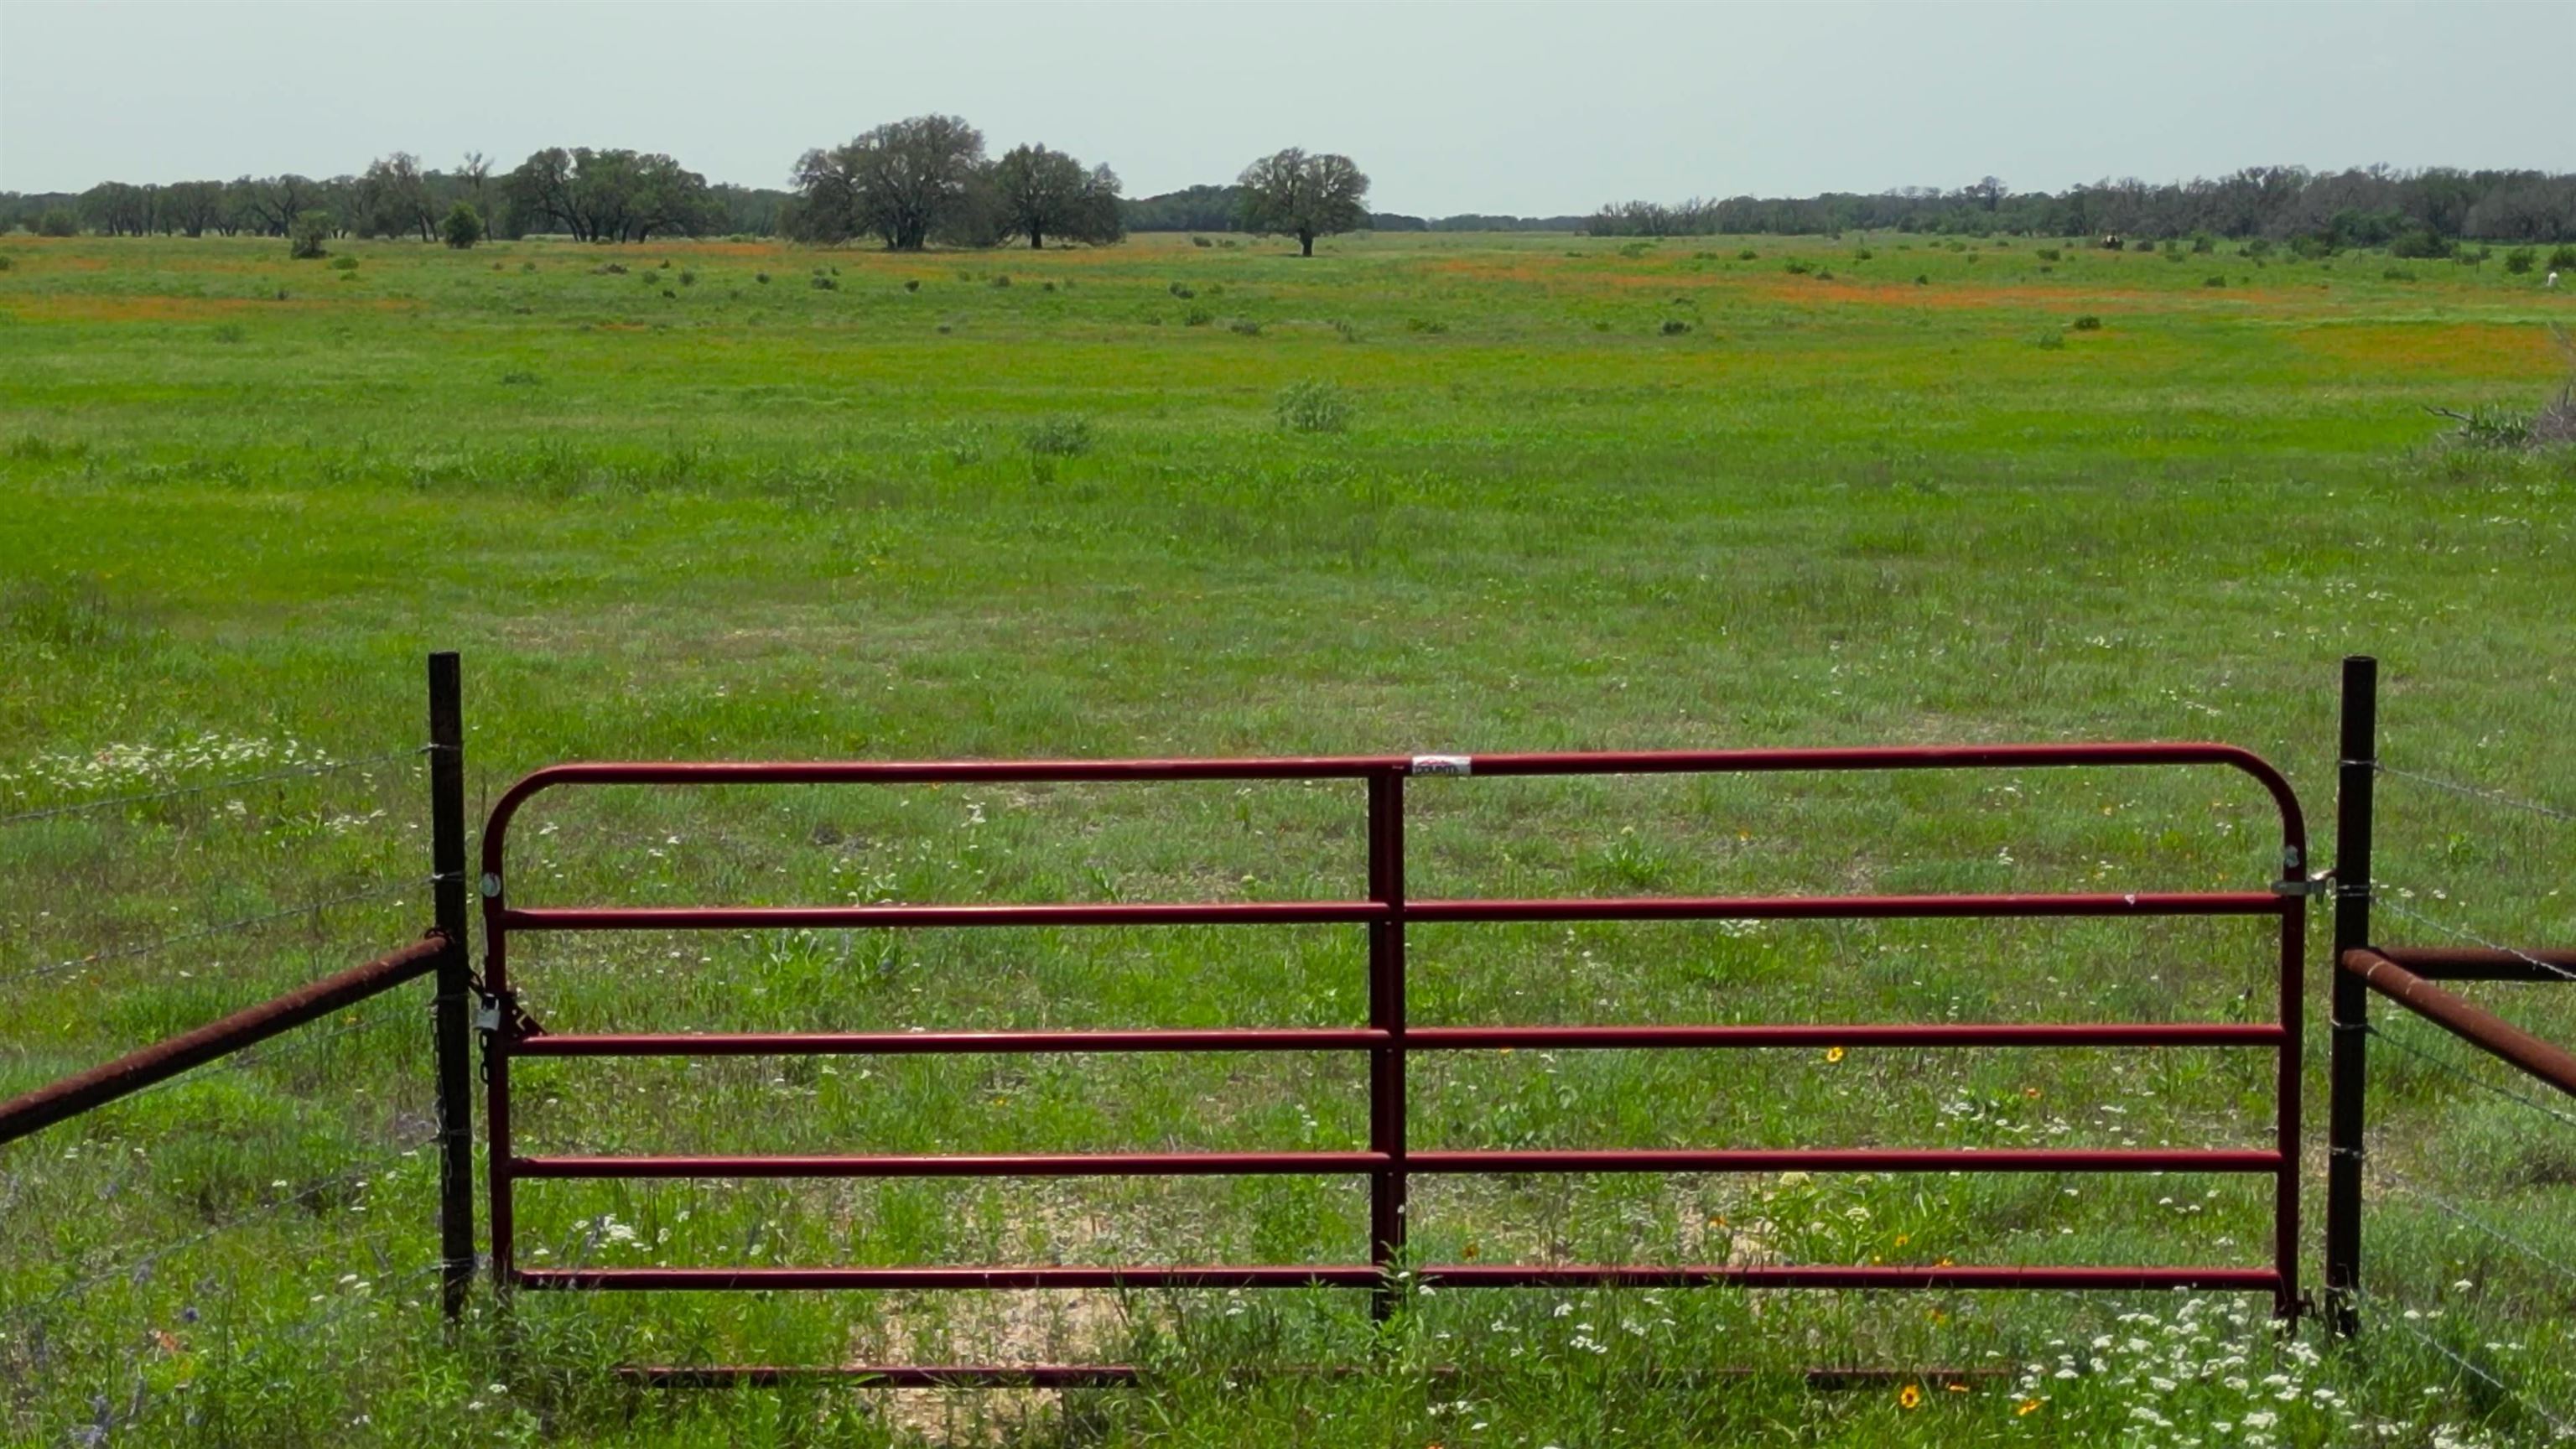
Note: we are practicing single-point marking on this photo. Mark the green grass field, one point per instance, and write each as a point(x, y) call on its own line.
point(1580, 495)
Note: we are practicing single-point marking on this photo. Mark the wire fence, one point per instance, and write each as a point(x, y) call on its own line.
point(98, 1260)
point(2526, 1106)
point(220, 928)
point(124, 802)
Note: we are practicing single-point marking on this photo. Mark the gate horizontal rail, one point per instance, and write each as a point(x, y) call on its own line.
point(1388, 1039)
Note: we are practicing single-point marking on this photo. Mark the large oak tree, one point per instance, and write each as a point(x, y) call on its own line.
point(1304, 196)
point(1040, 193)
point(901, 181)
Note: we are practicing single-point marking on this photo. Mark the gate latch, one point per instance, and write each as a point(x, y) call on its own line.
point(2320, 884)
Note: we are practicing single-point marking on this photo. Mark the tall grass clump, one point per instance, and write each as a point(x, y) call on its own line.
point(1316, 405)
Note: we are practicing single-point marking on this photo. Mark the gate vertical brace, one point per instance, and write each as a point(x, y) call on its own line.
point(2345, 1120)
point(1387, 1186)
point(454, 1001)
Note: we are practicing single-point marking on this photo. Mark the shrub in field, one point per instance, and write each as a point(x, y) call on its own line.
point(2213, 281)
point(1862, 254)
point(1424, 324)
point(609, 269)
point(57, 221)
point(1061, 436)
point(1313, 406)
point(1349, 333)
point(1799, 267)
point(1200, 241)
point(912, 284)
point(1244, 327)
point(463, 227)
point(761, 277)
point(304, 239)
point(2049, 341)
point(688, 279)
point(2173, 251)
point(1675, 327)
point(666, 265)
point(2420, 245)
point(2563, 259)
point(1923, 279)
point(2260, 246)
point(518, 379)
point(1826, 275)
point(2202, 243)
point(2048, 254)
point(669, 296)
point(2397, 274)
point(823, 283)
point(1001, 279)
point(344, 264)
point(1184, 293)
point(1197, 317)
point(2521, 259)
point(1748, 255)
point(2088, 323)
point(5, 264)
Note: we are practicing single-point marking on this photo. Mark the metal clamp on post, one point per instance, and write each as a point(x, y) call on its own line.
point(2320, 884)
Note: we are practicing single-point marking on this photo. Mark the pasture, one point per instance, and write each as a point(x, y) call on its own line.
point(1419, 494)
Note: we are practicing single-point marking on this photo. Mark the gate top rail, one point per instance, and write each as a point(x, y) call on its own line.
point(2294, 830)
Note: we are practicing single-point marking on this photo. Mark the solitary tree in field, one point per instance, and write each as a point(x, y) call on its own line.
point(1304, 196)
point(307, 233)
point(1041, 193)
point(902, 181)
point(462, 227)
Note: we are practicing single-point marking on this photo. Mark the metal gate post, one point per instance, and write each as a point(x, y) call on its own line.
point(1386, 1014)
point(2356, 772)
point(454, 1000)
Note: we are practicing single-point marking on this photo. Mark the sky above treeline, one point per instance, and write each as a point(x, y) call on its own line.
point(1474, 105)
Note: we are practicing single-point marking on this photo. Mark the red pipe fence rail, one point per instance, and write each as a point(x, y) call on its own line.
point(1389, 1039)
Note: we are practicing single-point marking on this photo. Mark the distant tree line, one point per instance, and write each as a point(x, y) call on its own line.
point(596, 195)
point(928, 179)
point(906, 184)
point(2371, 206)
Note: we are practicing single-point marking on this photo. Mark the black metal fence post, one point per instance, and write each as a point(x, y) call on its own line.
point(455, 1001)
point(2359, 765)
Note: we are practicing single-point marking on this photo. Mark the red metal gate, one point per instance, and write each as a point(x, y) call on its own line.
point(1388, 1039)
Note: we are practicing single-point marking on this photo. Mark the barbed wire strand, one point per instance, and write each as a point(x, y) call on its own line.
point(2472, 1079)
point(2477, 792)
point(2474, 1221)
point(53, 812)
point(2563, 1427)
point(147, 948)
point(301, 1039)
point(346, 1177)
point(2462, 934)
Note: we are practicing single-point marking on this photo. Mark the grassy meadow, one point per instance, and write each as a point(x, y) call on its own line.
point(1419, 494)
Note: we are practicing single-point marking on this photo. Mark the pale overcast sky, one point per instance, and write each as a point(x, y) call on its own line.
point(1467, 106)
